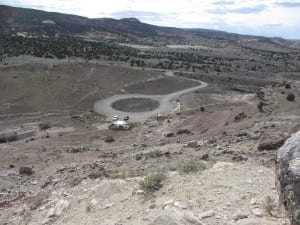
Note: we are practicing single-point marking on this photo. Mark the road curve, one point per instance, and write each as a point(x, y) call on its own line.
point(167, 103)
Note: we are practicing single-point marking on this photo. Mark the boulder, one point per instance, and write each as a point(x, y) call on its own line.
point(166, 220)
point(26, 170)
point(8, 137)
point(109, 139)
point(288, 177)
point(60, 206)
point(110, 187)
point(189, 217)
point(271, 141)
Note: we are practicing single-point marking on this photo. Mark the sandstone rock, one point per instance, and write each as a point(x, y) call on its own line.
point(288, 175)
point(222, 165)
point(258, 212)
point(271, 141)
point(189, 217)
point(166, 220)
point(110, 187)
point(108, 206)
point(254, 135)
point(253, 201)
point(239, 215)
point(59, 208)
point(247, 222)
point(206, 214)
point(26, 170)
point(179, 205)
point(167, 203)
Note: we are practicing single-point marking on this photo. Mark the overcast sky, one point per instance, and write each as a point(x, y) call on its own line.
point(279, 18)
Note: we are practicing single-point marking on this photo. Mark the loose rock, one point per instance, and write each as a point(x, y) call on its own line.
point(26, 170)
point(189, 217)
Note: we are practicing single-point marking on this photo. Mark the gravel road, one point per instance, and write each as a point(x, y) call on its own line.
point(167, 103)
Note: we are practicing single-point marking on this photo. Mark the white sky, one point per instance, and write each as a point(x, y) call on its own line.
point(258, 17)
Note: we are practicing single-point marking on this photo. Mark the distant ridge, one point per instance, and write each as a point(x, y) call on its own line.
point(14, 20)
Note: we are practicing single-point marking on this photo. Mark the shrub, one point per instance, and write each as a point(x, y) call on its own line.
point(269, 205)
point(287, 86)
point(138, 156)
point(44, 126)
point(153, 182)
point(109, 139)
point(154, 154)
point(290, 97)
point(191, 166)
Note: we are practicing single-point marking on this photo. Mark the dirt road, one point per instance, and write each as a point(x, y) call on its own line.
point(167, 103)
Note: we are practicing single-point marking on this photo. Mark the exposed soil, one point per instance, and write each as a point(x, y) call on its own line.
point(71, 160)
point(55, 86)
point(161, 86)
point(135, 105)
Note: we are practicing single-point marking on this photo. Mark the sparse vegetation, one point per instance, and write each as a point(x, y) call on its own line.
point(290, 97)
point(138, 156)
point(153, 182)
point(44, 126)
point(192, 166)
point(63, 47)
point(151, 154)
point(154, 154)
point(269, 205)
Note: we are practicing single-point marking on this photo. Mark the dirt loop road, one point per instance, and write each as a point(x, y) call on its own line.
point(167, 103)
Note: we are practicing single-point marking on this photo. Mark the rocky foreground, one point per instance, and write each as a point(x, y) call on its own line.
point(226, 193)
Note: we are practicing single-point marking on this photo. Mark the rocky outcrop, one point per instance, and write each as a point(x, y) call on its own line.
point(288, 177)
point(271, 141)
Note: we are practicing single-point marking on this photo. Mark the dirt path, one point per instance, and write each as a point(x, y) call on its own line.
point(167, 103)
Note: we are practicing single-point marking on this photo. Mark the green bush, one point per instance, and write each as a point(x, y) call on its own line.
point(269, 205)
point(290, 97)
point(138, 156)
point(153, 182)
point(154, 154)
point(191, 166)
